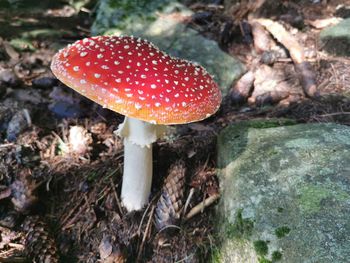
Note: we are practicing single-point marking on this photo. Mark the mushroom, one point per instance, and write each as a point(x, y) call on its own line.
point(133, 77)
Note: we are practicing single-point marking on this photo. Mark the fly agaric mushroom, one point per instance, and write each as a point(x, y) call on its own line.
point(133, 77)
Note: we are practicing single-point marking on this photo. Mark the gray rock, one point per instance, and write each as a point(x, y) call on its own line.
point(160, 22)
point(286, 193)
point(19, 122)
point(45, 82)
point(336, 38)
point(9, 77)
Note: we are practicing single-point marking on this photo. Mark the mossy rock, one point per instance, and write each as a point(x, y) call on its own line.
point(291, 185)
point(336, 39)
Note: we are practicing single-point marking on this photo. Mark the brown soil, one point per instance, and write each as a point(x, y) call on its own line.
point(74, 189)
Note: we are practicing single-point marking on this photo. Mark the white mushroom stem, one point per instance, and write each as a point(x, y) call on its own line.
point(137, 179)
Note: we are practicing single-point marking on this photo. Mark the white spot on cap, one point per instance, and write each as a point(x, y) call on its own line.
point(88, 63)
point(153, 86)
point(184, 104)
point(138, 64)
point(104, 67)
point(97, 75)
point(176, 82)
point(143, 76)
point(187, 78)
point(176, 95)
point(118, 80)
point(116, 62)
point(76, 68)
point(154, 62)
point(99, 56)
point(82, 81)
point(126, 46)
point(83, 54)
point(138, 106)
point(157, 104)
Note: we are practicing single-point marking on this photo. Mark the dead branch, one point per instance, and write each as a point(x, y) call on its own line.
point(201, 206)
point(296, 51)
point(243, 88)
point(262, 39)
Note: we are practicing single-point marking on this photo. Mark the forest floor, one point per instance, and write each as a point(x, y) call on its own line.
point(59, 197)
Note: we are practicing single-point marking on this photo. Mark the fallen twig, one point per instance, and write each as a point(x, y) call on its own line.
point(5, 145)
point(145, 234)
point(188, 200)
point(334, 114)
point(5, 193)
point(201, 206)
point(13, 260)
point(116, 196)
point(307, 76)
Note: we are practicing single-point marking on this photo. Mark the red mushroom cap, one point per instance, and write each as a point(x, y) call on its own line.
point(133, 77)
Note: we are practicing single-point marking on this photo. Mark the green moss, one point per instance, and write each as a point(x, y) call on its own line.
point(282, 231)
point(92, 176)
point(280, 209)
point(264, 124)
point(44, 34)
point(21, 44)
point(276, 256)
point(241, 227)
point(312, 195)
point(264, 260)
point(261, 247)
point(216, 256)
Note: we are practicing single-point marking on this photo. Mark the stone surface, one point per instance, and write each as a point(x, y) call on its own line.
point(160, 21)
point(286, 193)
point(336, 39)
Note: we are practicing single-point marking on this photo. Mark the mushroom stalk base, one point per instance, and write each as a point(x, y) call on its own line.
point(137, 179)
